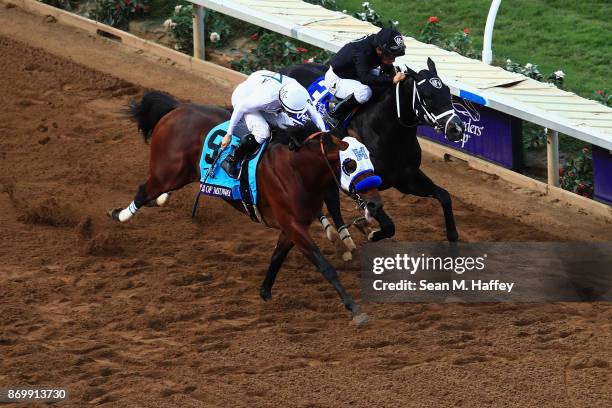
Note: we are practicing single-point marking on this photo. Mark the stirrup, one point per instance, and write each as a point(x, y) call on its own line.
point(230, 167)
point(332, 121)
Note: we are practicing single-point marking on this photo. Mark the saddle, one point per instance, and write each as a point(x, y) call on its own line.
point(214, 181)
point(325, 102)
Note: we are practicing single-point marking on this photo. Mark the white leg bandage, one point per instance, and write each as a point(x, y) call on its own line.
point(128, 212)
point(345, 235)
point(329, 229)
point(162, 199)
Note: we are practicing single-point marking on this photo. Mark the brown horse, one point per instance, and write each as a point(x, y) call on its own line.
point(291, 184)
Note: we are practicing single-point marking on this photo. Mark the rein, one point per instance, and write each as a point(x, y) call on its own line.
point(353, 194)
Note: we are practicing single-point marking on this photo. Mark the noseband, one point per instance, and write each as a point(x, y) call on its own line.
point(430, 118)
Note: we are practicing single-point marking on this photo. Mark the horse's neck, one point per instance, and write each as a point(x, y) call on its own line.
point(323, 168)
point(385, 109)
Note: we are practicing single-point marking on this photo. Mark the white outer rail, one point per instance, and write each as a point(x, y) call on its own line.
point(491, 97)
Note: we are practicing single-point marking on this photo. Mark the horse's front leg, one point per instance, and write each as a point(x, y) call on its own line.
point(299, 235)
point(421, 185)
point(332, 202)
point(283, 246)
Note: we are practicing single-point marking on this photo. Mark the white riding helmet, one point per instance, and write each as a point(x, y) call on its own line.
point(294, 98)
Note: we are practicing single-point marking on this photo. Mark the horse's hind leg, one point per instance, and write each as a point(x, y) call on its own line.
point(422, 186)
point(147, 192)
point(283, 246)
point(160, 201)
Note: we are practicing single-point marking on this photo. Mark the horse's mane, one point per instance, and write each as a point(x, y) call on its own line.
point(298, 133)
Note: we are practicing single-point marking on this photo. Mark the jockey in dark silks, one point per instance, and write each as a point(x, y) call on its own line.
point(362, 67)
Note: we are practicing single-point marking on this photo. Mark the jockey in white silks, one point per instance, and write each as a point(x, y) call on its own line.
point(265, 99)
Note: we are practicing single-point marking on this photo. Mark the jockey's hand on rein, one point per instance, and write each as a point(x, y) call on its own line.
point(400, 76)
point(227, 139)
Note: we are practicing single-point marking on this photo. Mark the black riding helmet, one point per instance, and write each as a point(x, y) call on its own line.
point(391, 42)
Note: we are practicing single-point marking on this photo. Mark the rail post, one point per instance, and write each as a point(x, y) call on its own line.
point(198, 32)
point(552, 150)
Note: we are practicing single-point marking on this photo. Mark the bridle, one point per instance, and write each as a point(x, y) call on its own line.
point(359, 201)
point(430, 118)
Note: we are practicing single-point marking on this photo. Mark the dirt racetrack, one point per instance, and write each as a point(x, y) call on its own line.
point(164, 311)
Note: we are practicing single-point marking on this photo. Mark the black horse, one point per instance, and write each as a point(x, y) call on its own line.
point(387, 126)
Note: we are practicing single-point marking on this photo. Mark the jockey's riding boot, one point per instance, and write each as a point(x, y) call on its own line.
point(341, 111)
point(231, 164)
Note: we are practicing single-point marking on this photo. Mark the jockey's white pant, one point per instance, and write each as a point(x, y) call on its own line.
point(342, 88)
point(259, 123)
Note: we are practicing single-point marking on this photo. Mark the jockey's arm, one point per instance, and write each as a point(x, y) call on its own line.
point(239, 111)
point(387, 69)
point(316, 117)
point(365, 76)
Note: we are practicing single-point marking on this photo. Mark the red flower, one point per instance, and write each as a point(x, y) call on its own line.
point(561, 172)
point(305, 61)
point(301, 49)
point(433, 19)
point(600, 92)
point(254, 37)
point(467, 30)
point(127, 2)
point(586, 195)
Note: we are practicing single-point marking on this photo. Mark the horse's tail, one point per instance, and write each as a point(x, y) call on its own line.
point(153, 106)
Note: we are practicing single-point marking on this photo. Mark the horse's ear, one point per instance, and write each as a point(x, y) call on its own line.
point(341, 144)
point(431, 66)
point(410, 72)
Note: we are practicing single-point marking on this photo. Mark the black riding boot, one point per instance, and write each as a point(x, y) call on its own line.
point(231, 165)
point(341, 111)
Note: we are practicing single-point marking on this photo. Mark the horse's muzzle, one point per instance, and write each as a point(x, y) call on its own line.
point(454, 130)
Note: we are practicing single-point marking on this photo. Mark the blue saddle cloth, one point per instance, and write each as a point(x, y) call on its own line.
point(320, 96)
point(218, 183)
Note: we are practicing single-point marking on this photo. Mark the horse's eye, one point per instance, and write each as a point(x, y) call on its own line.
point(349, 166)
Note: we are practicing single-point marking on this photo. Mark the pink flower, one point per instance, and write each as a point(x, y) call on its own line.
point(600, 92)
point(433, 19)
point(305, 61)
point(467, 30)
point(254, 37)
point(301, 49)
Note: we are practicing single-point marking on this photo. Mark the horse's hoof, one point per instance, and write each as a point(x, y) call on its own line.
point(332, 234)
point(265, 294)
point(452, 236)
point(347, 256)
point(360, 320)
point(350, 244)
point(162, 199)
point(114, 214)
point(371, 235)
